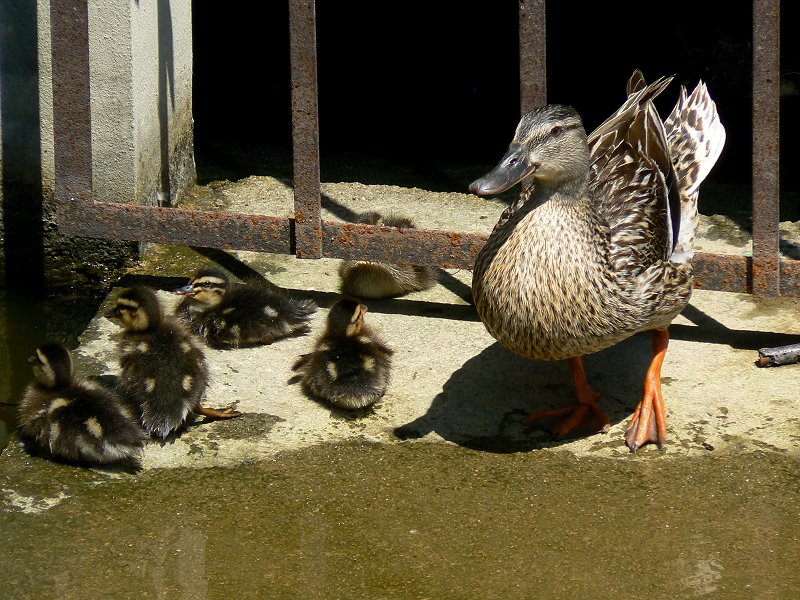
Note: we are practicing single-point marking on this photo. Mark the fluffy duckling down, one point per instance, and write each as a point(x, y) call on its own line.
point(163, 370)
point(371, 279)
point(350, 366)
point(78, 421)
point(233, 315)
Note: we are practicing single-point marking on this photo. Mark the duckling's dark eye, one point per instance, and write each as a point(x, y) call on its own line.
point(556, 131)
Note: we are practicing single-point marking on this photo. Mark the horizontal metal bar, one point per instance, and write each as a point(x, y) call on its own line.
point(408, 246)
point(212, 229)
point(733, 273)
point(790, 278)
point(722, 272)
point(350, 241)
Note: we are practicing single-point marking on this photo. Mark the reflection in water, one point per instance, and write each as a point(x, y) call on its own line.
point(421, 520)
point(176, 563)
point(22, 327)
point(172, 566)
point(707, 576)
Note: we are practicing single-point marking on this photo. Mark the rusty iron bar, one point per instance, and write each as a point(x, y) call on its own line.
point(734, 273)
point(766, 148)
point(532, 55)
point(790, 278)
point(305, 129)
point(406, 246)
point(72, 122)
point(78, 214)
point(188, 227)
point(722, 272)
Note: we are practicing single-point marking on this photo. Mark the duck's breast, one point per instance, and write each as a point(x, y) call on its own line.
point(543, 287)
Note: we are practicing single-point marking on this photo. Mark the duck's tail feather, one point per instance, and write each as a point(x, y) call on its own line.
point(696, 137)
point(636, 82)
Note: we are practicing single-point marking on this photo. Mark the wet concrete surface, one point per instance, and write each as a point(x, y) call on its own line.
point(417, 520)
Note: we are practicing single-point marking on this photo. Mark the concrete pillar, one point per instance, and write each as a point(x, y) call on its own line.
point(142, 127)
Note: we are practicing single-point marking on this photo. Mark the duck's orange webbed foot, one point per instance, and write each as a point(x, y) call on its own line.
point(582, 418)
point(649, 421)
point(217, 413)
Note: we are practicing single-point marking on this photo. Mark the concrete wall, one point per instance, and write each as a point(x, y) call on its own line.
point(142, 127)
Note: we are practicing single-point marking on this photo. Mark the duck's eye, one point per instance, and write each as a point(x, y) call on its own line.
point(556, 131)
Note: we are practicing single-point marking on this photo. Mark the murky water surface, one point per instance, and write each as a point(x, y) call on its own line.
point(422, 521)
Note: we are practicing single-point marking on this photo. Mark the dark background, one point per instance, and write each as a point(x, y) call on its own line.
point(418, 88)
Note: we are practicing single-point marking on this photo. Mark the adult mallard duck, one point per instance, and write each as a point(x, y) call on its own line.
point(599, 244)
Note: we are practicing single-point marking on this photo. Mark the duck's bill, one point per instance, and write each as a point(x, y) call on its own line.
point(113, 314)
point(513, 168)
point(187, 290)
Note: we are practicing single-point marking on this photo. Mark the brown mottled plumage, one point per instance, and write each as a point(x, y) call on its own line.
point(371, 279)
point(599, 244)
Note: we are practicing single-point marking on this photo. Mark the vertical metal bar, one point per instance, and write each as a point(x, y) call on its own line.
point(72, 122)
point(305, 129)
point(766, 148)
point(532, 55)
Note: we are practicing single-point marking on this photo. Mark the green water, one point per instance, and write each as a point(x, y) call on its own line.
point(417, 520)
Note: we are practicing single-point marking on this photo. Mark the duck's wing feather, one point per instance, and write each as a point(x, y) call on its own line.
point(633, 180)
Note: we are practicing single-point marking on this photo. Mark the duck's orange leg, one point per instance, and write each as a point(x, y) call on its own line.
point(649, 421)
point(585, 416)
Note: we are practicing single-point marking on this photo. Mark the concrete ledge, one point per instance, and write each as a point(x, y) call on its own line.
point(453, 383)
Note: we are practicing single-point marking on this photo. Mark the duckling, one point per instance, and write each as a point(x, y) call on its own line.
point(164, 372)
point(228, 315)
point(370, 279)
point(75, 420)
point(350, 366)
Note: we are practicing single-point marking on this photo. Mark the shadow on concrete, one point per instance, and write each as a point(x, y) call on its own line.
point(484, 404)
point(166, 92)
point(708, 329)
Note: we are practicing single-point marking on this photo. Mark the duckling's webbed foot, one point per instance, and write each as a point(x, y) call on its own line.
point(582, 418)
point(649, 421)
point(217, 413)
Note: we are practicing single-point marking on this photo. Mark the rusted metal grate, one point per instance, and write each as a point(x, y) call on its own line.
point(307, 236)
